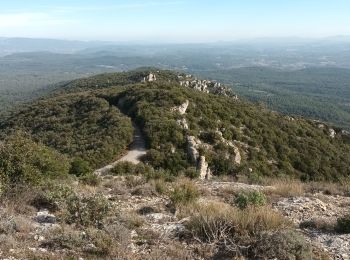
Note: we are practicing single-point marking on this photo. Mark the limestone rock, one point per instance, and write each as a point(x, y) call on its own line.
point(182, 108)
point(192, 148)
point(203, 167)
point(332, 133)
point(44, 216)
point(183, 123)
point(150, 78)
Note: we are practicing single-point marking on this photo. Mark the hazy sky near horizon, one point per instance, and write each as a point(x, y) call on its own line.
point(173, 20)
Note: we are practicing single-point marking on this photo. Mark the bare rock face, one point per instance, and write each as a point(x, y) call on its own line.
point(182, 108)
point(238, 157)
point(183, 123)
point(150, 78)
point(192, 148)
point(332, 133)
point(203, 167)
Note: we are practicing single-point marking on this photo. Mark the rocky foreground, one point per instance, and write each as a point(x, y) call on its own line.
point(144, 222)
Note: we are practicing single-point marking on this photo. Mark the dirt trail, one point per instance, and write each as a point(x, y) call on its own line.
point(136, 150)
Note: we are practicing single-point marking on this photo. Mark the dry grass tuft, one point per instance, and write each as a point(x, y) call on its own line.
point(286, 188)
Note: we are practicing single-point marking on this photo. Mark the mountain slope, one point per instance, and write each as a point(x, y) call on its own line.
point(234, 137)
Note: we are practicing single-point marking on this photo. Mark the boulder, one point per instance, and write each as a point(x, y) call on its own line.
point(44, 216)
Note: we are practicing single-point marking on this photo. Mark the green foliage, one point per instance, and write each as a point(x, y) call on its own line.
point(294, 92)
point(80, 168)
point(24, 161)
point(87, 211)
point(79, 125)
point(343, 224)
point(184, 193)
point(253, 198)
point(282, 245)
point(192, 173)
point(89, 125)
point(128, 169)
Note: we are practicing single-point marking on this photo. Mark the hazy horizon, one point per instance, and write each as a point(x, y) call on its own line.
point(174, 21)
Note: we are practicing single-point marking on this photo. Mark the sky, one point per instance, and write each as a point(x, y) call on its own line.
point(173, 20)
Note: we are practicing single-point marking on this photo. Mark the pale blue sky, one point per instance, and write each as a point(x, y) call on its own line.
point(173, 20)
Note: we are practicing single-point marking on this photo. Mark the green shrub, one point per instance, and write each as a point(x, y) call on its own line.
point(287, 245)
point(90, 179)
point(80, 167)
point(184, 193)
point(253, 198)
point(192, 173)
point(343, 225)
point(124, 168)
point(87, 211)
point(24, 161)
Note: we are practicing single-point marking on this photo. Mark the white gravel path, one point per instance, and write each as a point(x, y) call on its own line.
point(136, 150)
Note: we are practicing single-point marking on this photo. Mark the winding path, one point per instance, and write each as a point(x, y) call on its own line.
point(136, 150)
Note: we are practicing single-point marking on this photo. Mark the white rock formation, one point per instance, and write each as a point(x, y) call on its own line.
point(192, 148)
point(183, 123)
point(182, 108)
point(238, 157)
point(332, 133)
point(150, 78)
point(203, 168)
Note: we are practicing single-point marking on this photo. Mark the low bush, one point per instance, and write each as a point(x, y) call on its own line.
point(253, 198)
point(87, 211)
point(282, 245)
point(24, 161)
point(343, 225)
point(185, 192)
point(319, 224)
point(80, 168)
point(231, 228)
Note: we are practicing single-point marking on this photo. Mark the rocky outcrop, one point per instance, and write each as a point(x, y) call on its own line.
point(150, 78)
point(192, 148)
point(182, 108)
point(332, 133)
point(203, 168)
point(183, 123)
point(200, 161)
point(206, 86)
point(237, 158)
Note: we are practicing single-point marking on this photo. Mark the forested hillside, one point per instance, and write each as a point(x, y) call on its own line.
point(88, 124)
point(79, 125)
point(319, 93)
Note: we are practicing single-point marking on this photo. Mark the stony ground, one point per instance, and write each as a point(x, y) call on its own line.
point(154, 227)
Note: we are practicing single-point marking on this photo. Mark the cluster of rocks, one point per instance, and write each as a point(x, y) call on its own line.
point(323, 208)
point(182, 108)
point(237, 157)
point(332, 133)
point(150, 78)
point(206, 86)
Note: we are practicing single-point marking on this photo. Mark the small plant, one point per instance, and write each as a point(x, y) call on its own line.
point(343, 225)
point(191, 173)
point(253, 198)
point(80, 168)
point(87, 211)
point(124, 168)
point(282, 245)
point(184, 193)
point(90, 179)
